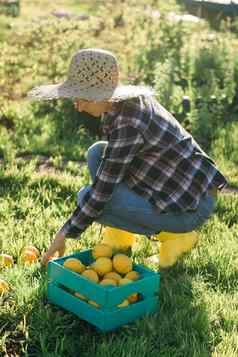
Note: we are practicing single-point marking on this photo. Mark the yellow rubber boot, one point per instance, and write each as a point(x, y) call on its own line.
point(173, 245)
point(167, 256)
point(118, 239)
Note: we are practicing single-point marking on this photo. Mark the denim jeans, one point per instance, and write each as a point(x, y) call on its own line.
point(129, 211)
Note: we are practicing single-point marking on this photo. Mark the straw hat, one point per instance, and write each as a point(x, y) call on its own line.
point(94, 76)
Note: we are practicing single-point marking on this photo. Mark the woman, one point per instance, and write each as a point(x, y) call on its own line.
point(150, 175)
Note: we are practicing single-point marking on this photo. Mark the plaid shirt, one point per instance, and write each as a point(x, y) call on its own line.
point(157, 158)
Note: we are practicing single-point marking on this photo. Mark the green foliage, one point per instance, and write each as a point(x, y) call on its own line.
point(10, 8)
point(207, 74)
point(52, 128)
point(224, 149)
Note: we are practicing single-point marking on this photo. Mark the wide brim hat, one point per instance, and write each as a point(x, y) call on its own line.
point(94, 76)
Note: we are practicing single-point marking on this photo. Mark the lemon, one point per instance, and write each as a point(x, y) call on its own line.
point(108, 282)
point(91, 275)
point(4, 287)
point(80, 296)
point(102, 265)
point(33, 249)
point(74, 264)
point(123, 303)
point(113, 275)
point(102, 250)
point(133, 297)
point(132, 275)
point(28, 256)
point(124, 281)
point(122, 263)
point(6, 261)
point(91, 302)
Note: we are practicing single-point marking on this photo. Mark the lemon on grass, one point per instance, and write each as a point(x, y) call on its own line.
point(102, 250)
point(122, 263)
point(102, 265)
point(28, 256)
point(74, 264)
point(32, 249)
point(4, 287)
point(6, 261)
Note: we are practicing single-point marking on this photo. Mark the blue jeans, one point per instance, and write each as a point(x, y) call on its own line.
point(128, 211)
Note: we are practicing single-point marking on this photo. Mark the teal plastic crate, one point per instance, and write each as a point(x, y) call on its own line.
point(63, 283)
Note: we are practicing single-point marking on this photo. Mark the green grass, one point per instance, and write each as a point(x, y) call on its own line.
point(198, 310)
point(197, 315)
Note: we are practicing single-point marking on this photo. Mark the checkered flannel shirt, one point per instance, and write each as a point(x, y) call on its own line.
point(157, 158)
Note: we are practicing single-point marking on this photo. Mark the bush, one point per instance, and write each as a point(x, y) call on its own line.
point(179, 60)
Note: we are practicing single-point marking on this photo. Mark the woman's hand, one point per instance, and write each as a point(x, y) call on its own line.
point(58, 245)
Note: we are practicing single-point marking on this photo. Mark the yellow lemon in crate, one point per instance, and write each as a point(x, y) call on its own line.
point(123, 303)
point(4, 287)
point(133, 297)
point(108, 282)
point(132, 275)
point(113, 275)
point(118, 239)
point(122, 263)
point(6, 260)
point(102, 265)
point(102, 250)
point(80, 296)
point(91, 302)
point(74, 264)
point(90, 274)
point(125, 281)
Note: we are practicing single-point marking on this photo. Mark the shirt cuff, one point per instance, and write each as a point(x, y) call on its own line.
point(70, 231)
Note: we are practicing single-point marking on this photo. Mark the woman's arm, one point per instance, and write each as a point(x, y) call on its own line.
point(124, 143)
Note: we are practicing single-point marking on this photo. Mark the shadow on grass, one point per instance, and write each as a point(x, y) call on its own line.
point(184, 325)
point(13, 185)
point(180, 328)
point(17, 187)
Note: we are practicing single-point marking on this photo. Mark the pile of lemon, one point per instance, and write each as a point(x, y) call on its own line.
point(29, 254)
point(107, 270)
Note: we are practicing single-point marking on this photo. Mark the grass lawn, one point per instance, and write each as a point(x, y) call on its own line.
point(197, 315)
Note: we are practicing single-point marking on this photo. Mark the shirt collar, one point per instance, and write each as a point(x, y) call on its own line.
point(107, 117)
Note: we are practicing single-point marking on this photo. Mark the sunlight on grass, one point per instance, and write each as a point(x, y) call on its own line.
point(34, 9)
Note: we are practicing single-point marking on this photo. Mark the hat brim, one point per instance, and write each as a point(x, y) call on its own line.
point(69, 89)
